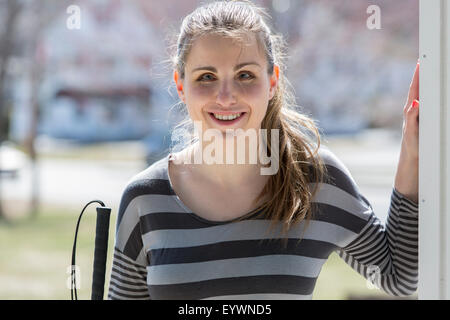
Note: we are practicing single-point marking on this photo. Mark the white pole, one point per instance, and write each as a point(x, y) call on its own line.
point(445, 180)
point(434, 182)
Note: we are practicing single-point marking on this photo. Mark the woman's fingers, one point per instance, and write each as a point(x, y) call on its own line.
point(413, 113)
point(413, 93)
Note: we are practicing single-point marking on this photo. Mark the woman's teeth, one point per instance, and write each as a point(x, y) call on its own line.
point(229, 117)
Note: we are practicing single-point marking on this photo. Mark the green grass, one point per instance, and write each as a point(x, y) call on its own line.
point(35, 255)
point(338, 281)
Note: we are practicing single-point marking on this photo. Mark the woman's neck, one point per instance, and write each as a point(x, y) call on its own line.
point(225, 173)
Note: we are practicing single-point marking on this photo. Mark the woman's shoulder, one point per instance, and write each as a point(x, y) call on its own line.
point(149, 182)
point(339, 177)
point(340, 199)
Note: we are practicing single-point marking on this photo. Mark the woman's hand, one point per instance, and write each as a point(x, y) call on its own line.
point(407, 177)
point(410, 138)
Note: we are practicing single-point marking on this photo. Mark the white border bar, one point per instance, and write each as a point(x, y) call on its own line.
point(434, 215)
point(445, 178)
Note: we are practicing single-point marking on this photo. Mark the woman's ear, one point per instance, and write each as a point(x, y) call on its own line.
point(179, 85)
point(274, 81)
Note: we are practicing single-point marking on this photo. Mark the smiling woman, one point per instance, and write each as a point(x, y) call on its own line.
point(229, 62)
point(227, 87)
point(202, 231)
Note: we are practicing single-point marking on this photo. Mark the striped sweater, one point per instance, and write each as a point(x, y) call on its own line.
point(165, 251)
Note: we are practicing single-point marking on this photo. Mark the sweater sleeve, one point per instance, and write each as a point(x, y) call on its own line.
point(387, 255)
point(129, 273)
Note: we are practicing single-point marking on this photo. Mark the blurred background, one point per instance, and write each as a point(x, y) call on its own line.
point(86, 104)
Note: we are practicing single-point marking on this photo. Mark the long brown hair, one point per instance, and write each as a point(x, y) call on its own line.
point(300, 164)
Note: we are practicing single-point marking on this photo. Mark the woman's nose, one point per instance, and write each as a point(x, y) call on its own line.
point(226, 94)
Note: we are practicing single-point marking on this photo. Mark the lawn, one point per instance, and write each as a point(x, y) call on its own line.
point(35, 255)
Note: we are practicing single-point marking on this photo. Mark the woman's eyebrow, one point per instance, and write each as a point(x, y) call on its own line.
point(237, 67)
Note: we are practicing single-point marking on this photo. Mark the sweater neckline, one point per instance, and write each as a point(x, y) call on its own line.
point(245, 216)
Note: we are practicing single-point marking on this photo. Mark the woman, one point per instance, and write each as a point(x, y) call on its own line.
point(191, 229)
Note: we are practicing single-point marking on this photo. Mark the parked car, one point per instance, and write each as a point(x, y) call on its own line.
point(12, 160)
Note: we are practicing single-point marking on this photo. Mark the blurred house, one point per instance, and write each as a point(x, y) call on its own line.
point(98, 81)
point(108, 80)
point(98, 114)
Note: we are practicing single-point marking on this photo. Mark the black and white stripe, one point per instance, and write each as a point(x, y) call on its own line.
point(164, 251)
point(391, 249)
point(128, 279)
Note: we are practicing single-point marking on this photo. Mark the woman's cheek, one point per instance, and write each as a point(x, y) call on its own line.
point(251, 89)
point(198, 96)
point(255, 94)
point(203, 90)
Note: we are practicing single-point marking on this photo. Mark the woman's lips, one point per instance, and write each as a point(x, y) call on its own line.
point(226, 122)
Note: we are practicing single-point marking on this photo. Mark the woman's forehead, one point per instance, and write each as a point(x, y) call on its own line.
point(217, 49)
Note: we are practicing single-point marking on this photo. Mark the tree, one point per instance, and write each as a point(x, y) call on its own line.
point(12, 9)
point(42, 15)
point(36, 16)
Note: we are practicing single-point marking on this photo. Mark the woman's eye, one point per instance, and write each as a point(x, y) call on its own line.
point(247, 74)
point(206, 76)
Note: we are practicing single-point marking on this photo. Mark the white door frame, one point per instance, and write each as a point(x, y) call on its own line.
point(434, 150)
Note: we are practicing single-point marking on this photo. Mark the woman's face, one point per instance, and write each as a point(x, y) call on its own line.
point(226, 78)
